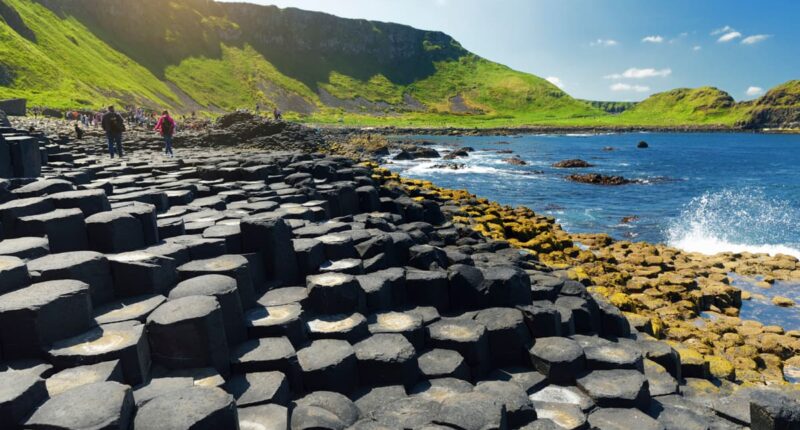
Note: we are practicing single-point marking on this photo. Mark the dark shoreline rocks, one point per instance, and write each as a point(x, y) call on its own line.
point(572, 164)
point(296, 283)
point(598, 179)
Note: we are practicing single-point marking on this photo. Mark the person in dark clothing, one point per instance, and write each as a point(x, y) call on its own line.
point(113, 124)
point(166, 126)
point(78, 132)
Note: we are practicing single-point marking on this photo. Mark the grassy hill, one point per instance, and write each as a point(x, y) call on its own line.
point(201, 55)
point(198, 55)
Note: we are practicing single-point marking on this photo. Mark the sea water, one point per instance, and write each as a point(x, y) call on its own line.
point(705, 192)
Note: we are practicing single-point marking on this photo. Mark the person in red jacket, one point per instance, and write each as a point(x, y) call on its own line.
point(166, 126)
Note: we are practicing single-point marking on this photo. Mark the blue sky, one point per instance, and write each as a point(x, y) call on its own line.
point(611, 49)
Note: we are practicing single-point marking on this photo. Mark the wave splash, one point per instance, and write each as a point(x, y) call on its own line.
point(742, 220)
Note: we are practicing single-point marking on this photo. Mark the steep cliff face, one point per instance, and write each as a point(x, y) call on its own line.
point(779, 107)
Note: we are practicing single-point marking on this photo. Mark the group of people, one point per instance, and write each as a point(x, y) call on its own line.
point(114, 125)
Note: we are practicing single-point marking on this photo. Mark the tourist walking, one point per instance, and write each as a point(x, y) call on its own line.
point(113, 124)
point(78, 132)
point(277, 114)
point(166, 126)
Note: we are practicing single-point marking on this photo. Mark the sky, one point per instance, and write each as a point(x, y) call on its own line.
point(611, 49)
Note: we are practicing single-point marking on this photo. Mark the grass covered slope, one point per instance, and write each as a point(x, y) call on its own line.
point(63, 64)
point(315, 67)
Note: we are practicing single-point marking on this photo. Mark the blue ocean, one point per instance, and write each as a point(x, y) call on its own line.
point(704, 192)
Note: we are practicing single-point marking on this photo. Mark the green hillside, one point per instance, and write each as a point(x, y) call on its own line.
point(199, 55)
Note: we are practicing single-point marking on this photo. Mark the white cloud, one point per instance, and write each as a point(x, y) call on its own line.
point(727, 37)
point(697, 48)
point(752, 40)
point(754, 91)
point(653, 39)
point(619, 86)
point(441, 2)
point(634, 73)
point(726, 29)
point(555, 80)
point(604, 42)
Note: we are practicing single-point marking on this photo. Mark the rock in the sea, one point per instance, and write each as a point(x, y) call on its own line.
point(598, 179)
point(458, 153)
point(515, 161)
point(572, 164)
point(642, 145)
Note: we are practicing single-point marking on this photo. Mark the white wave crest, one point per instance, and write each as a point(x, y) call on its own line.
point(744, 220)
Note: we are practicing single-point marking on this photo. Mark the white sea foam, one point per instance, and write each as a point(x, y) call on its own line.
point(743, 220)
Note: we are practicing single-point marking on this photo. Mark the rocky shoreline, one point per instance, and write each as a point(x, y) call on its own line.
point(339, 131)
point(239, 286)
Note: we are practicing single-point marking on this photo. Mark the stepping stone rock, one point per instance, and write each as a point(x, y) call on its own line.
point(408, 324)
point(509, 338)
point(616, 388)
point(130, 309)
point(259, 388)
point(342, 408)
point(140, 273)
point(82, 375)
point(89, 267)
point(65, 229)
point(200, 408)
point(371, 399)
point(622, 419)
point(264, 417)
point(507, 286)
point(224, 289)
point(558, 358)
point(187, 333)
point(563, 395)
point(34, 317)
point(443, 363)
point(273, 238)
point(123, 341)
point(20, 393)
point(465, 336)
point(472, 411)
point(351, 328)
point(233, 266)
point(385, 359)
point(332, 293)
point(384, 289)
point(101, 405)
point(89, 202)
point(569, 417)
point(440, 389)
point(158, 387)
point(13, 274)
point(428, 288)
point(266, 355)
point(329, 365)
point(527, 379)
point(608, 357)
point(518, 406)
point(114, 232)
point(275, 321)
point(26, 248)
point(543, 320)
point(407, 413)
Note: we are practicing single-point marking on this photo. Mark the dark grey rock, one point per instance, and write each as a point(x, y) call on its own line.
point(225, 290)
point(34, 317)
point(123, 341)
point(191, 408)
point(187, 333)
point(559, 359)
point(329, 365)
point(101, 405)
point(616, 388)
point(259, 388)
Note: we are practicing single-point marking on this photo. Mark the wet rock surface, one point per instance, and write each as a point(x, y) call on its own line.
point(274, 289)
